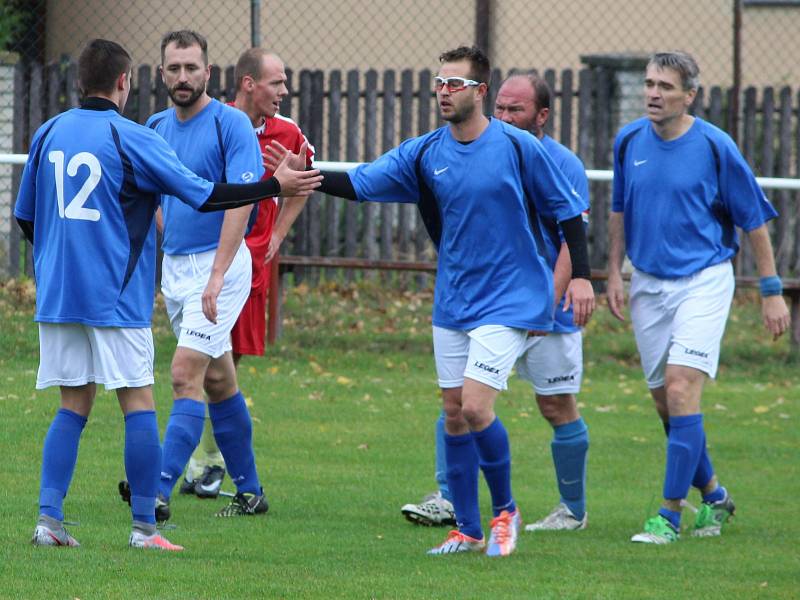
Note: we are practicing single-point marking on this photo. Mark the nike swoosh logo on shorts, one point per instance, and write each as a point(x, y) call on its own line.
point(637, 163)
point(440, 171)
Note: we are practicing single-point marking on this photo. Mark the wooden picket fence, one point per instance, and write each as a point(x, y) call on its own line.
point(355, 116)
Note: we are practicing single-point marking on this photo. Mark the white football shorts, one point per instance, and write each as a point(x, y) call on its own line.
point(183, 279)
point(73, 354)
point(485, 354)
point(681, 321)
point(553, 364)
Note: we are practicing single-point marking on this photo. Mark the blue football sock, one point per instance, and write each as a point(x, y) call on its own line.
point(718, 494)
point(495, 460)
point(441, 459)
point(233, 431)
point(142, 463)
point(705, 470)
point(183, 433)
point(59, 455)
point(673, 517)
point(683, 453)
point(569, 447)
point(462, 478)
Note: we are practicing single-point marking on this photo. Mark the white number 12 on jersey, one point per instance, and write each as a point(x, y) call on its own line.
point(75, 209)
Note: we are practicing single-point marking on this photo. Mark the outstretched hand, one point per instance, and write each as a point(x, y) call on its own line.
point(276, 152)
point(580, 296)
point(295, 182)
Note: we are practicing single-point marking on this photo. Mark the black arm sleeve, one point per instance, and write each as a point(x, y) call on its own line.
point(27, 229)
point(337, 184)
point(228, 195)
point(575, 236)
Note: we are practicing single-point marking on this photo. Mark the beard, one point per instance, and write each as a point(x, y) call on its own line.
point(460, 114)
point(195, 94)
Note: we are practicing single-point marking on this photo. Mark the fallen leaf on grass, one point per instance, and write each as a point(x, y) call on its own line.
point(342, 380)
point(760, 410)
point(363, 446)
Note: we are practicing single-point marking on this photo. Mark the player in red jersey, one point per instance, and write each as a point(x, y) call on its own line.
point(260, 88)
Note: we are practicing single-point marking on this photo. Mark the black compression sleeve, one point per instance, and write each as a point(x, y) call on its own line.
point(27, 229)
point(227, 195)
point(337, 184)
point(575, 236)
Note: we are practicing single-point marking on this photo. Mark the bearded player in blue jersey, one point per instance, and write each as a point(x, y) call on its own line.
point(86, 202)
point(206, 276)
point(681, 187)
point(482, 187)
point(552, 363)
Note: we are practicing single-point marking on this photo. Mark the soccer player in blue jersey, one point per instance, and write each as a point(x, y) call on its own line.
point(86, 202)
point(681, 187)
point(206, 275)
point(552, 363)
point(482, 187)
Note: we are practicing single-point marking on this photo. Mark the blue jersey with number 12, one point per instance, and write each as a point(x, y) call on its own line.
point(90, 187)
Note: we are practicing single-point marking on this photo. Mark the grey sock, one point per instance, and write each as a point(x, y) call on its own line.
point(144, 528)
point(50, 522)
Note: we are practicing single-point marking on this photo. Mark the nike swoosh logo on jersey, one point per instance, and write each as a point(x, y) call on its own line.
point(440, 171)
point(636, 163)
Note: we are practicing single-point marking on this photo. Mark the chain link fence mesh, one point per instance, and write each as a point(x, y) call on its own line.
point(346, 35)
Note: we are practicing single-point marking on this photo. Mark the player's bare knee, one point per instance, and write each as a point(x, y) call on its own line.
point(477, 415)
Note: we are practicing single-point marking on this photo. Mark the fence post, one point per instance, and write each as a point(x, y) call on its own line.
point(565, 127)
point(783, 241)
point(351, 209)
point(387, 209)
point(370, 152)
point(333, 205)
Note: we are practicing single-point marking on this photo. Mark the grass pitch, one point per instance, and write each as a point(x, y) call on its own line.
point(344, 409)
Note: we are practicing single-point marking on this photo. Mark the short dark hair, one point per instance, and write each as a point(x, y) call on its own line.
point(682, 62)
point(100, 63)
point(250, 63)
point(479, 62)
point(185, 38)
point(540, 87)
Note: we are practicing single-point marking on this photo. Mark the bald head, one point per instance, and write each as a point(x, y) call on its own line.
point(524, 101)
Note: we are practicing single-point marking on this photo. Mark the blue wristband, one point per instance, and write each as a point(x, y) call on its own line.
point(771, 286)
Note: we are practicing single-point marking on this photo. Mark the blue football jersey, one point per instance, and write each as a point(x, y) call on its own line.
point(91, 186)
point(683, 198)
point(484, 201)
point(574, 171)
point(219, 145)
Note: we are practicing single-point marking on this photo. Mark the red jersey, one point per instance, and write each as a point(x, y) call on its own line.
point(285, 131)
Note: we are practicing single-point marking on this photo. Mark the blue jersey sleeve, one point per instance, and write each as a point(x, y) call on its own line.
point(392, 177)
point(741, 195)
point(243, 163)
point(618, 185)
point(158, 170)
point(553, 193)
point(25, 205)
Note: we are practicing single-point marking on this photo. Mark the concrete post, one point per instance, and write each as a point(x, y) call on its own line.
point(8, 60)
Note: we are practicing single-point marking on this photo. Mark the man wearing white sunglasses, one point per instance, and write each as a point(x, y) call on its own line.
point(481, 186)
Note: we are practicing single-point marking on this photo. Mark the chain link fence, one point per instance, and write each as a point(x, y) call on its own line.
point(377, 55)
